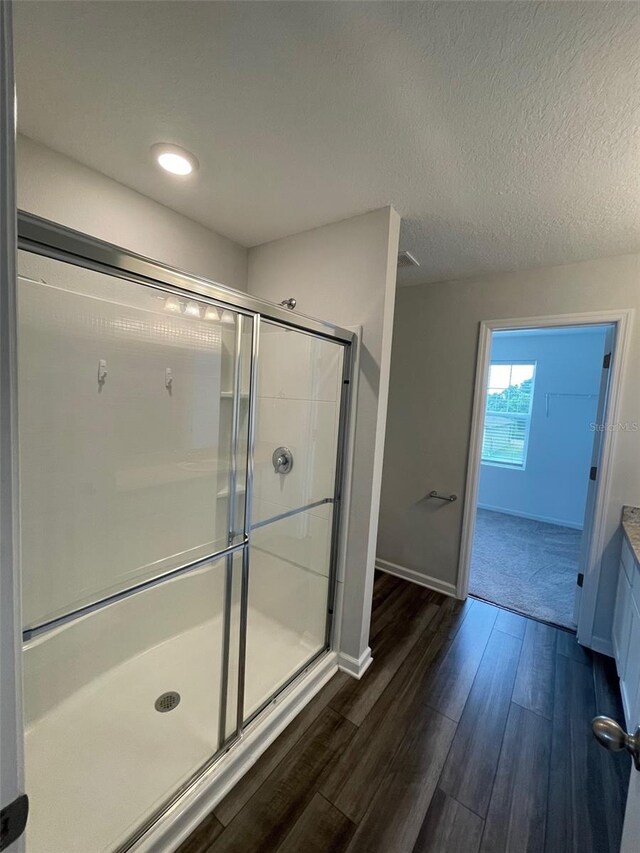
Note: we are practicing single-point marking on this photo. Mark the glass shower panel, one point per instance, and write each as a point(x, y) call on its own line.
point(128, 397)
point(289, 569)
point(297, 410)
point(296, 435)
point(122, 707)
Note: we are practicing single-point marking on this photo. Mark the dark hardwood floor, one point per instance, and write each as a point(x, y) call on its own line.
point(470, 732)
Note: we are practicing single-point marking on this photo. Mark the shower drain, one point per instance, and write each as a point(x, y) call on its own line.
point(167, 701)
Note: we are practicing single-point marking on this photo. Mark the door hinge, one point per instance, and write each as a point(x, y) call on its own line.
point(593, 473)
point(606, 362)
point(13, 819)
point(580, 580)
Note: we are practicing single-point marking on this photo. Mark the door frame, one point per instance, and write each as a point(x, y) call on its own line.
point(621, 319)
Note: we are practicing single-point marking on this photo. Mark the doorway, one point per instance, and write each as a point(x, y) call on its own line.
point(534, 513)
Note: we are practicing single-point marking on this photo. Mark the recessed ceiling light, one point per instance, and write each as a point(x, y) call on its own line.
point(174, 159)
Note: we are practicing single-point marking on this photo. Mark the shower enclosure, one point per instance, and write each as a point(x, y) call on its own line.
point(181, 452)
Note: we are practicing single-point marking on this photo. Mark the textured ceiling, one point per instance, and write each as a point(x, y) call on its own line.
point(506, 134)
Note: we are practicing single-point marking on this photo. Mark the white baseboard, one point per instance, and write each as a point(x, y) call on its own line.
point(180, 821)
point(605, 647)
point(532, 516)
point(436, 584)
point(355, 666)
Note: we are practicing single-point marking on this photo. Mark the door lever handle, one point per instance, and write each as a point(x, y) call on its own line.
point(611, 735)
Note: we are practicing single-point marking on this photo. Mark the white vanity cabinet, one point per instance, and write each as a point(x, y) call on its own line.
point(626, 632)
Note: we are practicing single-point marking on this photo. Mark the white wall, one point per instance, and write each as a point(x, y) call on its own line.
point(552, 486)
point(55, 187)
point(346, 273)
point(432, 377)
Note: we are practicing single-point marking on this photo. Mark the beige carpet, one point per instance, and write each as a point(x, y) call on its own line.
point(528, 566)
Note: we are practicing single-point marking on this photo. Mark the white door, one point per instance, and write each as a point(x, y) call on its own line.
point(12, 800)
point(585, 543)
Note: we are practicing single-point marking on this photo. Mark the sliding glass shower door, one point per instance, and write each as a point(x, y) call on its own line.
point(126, 420)
point(180, 461)
point(296, 439)
point(133, 446)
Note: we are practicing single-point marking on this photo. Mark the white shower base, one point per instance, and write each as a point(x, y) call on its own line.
point(102, 760)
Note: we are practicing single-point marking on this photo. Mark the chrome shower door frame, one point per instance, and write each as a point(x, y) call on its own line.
point(49, 239)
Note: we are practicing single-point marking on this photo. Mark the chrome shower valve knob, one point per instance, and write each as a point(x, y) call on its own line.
point(282, 460)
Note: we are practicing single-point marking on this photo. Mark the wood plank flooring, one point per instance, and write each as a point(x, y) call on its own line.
point(470, 732)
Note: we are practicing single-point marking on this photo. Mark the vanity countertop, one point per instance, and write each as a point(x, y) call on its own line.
point(631, 527)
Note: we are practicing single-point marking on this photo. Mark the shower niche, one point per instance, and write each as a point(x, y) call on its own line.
point(174, 581)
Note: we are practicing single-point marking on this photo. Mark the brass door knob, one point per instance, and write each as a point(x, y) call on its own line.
point(611, 735)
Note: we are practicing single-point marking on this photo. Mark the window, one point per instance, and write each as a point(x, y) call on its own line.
point(508, 414)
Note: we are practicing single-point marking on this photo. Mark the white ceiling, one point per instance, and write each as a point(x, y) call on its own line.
point(506, 134)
